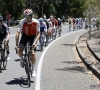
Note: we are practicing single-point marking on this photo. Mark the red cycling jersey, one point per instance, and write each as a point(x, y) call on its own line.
point(29, 29)
point(54, 22)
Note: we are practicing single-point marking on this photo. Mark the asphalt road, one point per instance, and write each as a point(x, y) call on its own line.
point(13, 78)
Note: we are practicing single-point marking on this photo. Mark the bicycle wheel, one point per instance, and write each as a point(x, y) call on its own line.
point(27, 70)
point(0, 61)
point(4, 59)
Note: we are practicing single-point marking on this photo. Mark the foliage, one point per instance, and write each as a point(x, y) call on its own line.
point(74, 8)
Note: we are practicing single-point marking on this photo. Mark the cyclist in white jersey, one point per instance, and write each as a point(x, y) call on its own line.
point(50, 29)
point(43, 28)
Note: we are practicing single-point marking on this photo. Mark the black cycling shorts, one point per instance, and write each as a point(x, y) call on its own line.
point(24, 39)
point(2, 37)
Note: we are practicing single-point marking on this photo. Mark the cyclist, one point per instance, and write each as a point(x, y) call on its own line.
point(54, 25)
point(43, 28)
point(70, 23)
point(74, 23)
point(60, 25)
point(49, 29)
point(5, 35)
point(30, 31)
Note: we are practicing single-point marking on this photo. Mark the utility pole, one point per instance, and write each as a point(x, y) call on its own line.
point(90, 21)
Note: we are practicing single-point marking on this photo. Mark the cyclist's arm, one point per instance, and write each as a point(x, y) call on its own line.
point(8, 36)
point(37, 38)
point(18, 32)
point(7, 31)
point(17, 37)
point(37, 34)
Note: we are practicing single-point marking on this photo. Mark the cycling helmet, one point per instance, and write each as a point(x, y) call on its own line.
point(41, 20)
point(28, 12)
point(1, 18)
point(58, 18)
point(48, 20)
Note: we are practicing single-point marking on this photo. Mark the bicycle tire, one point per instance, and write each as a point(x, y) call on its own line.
point(4, 59)
point(0, 61)
point(27, 70)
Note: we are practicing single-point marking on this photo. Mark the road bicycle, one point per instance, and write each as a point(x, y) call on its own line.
point(27, 61)
point(3, 56)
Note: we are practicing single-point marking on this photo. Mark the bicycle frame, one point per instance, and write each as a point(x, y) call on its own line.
point(27, 64)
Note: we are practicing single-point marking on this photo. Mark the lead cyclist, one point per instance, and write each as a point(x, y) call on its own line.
point(29, 29)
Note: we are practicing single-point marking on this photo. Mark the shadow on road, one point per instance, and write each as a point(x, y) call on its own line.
point(74, 69)
point(17, 60)
point(22, 82)
point(68, 44)
point(71, 62)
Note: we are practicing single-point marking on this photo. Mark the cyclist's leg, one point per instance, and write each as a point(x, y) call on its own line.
point(7, 49)
point(60, 29)
point(22, 44)
point(45, 33)
point(56, 29)
point(33, 59)
point(49, 33)
point(6, 44)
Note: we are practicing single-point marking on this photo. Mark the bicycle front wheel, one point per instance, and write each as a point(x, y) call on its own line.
point(4, 59)
point(27, 70)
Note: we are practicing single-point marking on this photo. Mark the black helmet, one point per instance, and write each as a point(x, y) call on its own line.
point(1, 18)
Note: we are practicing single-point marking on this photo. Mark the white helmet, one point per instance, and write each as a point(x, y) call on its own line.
point(28, 12)
point(48, 20)
point(58, 18)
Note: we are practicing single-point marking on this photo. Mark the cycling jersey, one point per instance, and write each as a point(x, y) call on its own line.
point(54, 22)
point(47, 25)
point(3, 31)
point(43, 27)
point(29, 29)
point(59, 22)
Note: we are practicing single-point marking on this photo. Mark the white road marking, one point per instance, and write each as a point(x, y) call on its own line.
point(38, 77)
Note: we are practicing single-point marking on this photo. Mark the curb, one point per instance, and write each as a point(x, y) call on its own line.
point(88, 64)
point(94, 54)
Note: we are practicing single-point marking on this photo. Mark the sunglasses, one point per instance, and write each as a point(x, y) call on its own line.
point(27, 16)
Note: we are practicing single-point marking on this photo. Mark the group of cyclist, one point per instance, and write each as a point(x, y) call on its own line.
point(75, 23)
point(30, 30)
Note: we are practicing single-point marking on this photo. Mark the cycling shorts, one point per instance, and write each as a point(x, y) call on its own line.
point(2, 37)
point(24, 39)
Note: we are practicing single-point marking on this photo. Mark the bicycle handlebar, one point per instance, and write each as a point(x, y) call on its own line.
point(33, 48)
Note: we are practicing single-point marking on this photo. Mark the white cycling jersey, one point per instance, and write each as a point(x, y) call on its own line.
point(43, 27)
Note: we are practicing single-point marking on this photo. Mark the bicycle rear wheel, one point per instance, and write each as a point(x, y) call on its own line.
point(27, 70)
